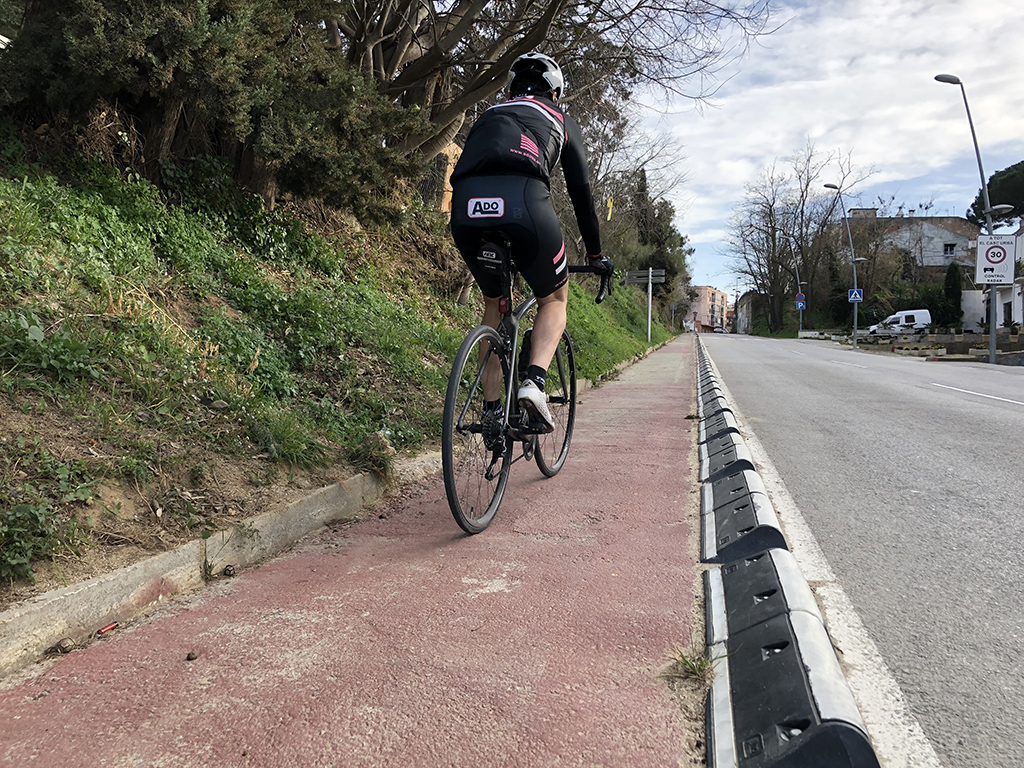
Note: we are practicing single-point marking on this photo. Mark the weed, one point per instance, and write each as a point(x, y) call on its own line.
point(376, 454)
point(114, 511)
point(283, 436)
point(198, 473)
point(38, 494)
point(185, 509)
point(62, 354)
point(263, 477)
point(687, 664)
point(136, 469)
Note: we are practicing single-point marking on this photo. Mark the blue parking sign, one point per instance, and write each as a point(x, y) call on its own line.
point(856, 294)
point(801, 305)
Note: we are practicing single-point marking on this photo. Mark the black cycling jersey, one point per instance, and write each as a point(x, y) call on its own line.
point(528, 136)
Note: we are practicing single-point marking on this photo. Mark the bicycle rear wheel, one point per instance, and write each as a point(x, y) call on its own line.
point(475, 453)
point(560, 386)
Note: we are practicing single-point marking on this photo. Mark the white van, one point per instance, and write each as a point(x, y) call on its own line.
point(907, 321)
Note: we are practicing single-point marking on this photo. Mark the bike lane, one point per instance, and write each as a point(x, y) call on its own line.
point(399, 641)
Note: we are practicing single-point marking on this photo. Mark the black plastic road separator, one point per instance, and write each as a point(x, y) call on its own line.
point(707, 407)
point(744, 593)
point(707, 386)
point(731, 456)
point(779, 698)
point(716, 426)
point(710, 395)
point(717, 445)
point(737, 518)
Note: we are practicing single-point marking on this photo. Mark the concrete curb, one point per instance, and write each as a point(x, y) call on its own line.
point(76, 612)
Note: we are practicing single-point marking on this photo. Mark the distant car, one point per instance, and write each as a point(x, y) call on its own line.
point(907, 321)
point(720, 329)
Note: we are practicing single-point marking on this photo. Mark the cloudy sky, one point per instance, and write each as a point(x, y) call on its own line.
point(857, 77)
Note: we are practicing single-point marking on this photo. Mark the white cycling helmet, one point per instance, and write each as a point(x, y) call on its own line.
point(543, 65)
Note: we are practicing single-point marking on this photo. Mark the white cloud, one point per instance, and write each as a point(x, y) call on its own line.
point(858, 77)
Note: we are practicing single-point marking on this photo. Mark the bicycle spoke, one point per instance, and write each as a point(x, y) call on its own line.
point(474, 449)
point(553, 447)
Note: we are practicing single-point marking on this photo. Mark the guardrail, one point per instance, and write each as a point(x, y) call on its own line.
point(779, 698)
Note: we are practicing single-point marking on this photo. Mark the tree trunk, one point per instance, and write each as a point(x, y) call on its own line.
point(442, 139)
point(160, 135)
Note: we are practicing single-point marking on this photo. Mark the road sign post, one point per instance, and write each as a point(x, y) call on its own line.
point(994, 267)
point(649, 276)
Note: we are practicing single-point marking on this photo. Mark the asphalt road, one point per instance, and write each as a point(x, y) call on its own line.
point(910, 475)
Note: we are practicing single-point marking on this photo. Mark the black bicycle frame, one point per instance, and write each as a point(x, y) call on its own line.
point(508, 328)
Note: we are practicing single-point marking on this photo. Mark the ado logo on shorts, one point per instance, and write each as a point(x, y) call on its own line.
point(486, 208)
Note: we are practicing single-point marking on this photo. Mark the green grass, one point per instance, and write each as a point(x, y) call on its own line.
point(790, 327)
point(155, 319)
point(38, 493)
point(686, 664)
point(606, 334)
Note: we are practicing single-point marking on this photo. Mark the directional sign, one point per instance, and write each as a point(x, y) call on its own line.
point(800, 297)
point(641, 276)
point(644, 272)
point(995, 259)
point(856, 294)
point(801, 305)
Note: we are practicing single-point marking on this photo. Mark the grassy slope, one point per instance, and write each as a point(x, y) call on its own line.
point(200, 322)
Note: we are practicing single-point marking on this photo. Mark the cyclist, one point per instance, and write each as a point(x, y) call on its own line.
point(503, 182)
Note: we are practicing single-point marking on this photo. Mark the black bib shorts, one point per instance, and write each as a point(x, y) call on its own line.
point(520, 207)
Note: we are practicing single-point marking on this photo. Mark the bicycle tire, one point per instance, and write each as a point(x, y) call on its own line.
point(466, 460)
point(553, 447)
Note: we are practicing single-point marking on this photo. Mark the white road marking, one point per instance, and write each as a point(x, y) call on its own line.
point(896, 734)
point(978, 394)
point(852, 365)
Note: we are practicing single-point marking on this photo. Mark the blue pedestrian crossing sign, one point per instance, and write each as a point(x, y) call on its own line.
point(856, 294)
point(801, 305)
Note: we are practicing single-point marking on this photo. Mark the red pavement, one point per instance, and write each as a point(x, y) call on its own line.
point(398, 641)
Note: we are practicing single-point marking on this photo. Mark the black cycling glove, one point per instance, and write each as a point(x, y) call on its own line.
point(602, 263)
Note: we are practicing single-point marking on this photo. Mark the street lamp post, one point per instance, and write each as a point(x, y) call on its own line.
point(853, 256)
point(800, 289)
point(954, 80)
point(799, 283)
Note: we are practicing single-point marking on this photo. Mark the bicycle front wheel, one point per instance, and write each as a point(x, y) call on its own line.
point(560, 386)
point(475, 450)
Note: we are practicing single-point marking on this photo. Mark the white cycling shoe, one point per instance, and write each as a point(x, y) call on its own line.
point(536, 404)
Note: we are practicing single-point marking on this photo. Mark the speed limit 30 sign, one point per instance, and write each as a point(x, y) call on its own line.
point(995, 260)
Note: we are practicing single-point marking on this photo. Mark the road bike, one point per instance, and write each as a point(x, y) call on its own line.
point(477, 441)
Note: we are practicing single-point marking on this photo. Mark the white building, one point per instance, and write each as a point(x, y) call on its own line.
point(934, 241)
